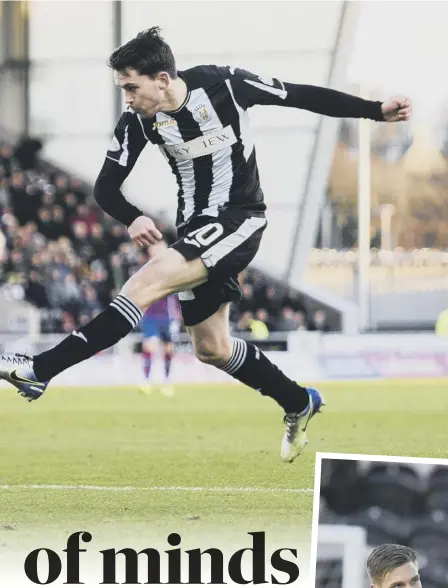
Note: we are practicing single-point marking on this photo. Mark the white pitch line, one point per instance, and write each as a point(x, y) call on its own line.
point(223, 489)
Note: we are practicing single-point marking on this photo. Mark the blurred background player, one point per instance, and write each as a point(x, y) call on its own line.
point(159, 325)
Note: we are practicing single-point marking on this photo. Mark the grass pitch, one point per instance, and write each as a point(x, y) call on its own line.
point(206, 458)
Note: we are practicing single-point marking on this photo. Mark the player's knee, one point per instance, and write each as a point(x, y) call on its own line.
point(213, 352)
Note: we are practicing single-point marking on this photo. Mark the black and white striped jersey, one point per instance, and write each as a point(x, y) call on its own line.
point(208, 142)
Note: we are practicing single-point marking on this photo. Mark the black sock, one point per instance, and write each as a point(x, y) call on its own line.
point(251, 367)
point(106, 329)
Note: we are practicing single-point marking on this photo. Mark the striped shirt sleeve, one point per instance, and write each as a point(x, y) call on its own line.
point(127, 143)
point(250, 90)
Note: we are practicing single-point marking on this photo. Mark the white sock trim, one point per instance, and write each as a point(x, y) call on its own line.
point(238, 357)
point(128, 309)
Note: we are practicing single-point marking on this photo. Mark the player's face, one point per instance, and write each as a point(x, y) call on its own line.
point(143, 94)
point(406, 576)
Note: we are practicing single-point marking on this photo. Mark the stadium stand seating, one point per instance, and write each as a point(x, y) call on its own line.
point(68, 258)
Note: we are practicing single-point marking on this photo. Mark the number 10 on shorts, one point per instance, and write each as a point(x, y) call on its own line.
point(205, 235)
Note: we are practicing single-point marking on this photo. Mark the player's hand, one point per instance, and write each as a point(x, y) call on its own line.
point(397, 109)
point(144, 232)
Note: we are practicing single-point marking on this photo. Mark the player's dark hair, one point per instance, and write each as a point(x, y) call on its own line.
point(147, 53)
point(386, 558)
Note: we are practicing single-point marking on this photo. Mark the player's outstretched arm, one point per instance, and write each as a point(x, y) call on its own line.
point(250, 89)
point(341, 105)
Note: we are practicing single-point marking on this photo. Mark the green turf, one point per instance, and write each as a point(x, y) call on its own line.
point(205, 436)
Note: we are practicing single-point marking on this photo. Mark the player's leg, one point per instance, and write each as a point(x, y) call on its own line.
point(149, 348)
point(214, 345)
point(168, 272)
point(167, 348)
point(150, 332)
point(168, 351)
point(147, 355)
point(232, 240)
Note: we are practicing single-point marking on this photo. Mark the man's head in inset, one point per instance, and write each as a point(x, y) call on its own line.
point(393, 566)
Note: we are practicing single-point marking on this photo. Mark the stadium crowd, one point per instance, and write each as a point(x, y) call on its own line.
point(69, 259)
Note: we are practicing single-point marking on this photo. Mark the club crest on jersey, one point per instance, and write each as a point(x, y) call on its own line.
point(201, 114)
point(163, 123)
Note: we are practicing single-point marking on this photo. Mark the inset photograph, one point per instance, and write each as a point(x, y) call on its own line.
point(380, 522)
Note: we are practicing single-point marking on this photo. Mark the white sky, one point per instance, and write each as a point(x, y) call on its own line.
point(402, 48)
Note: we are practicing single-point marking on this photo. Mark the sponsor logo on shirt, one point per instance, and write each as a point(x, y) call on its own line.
point(164, 123)
point(204, 145)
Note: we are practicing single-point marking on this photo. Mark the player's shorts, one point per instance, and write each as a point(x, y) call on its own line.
point(226, 244)
point(156, 327)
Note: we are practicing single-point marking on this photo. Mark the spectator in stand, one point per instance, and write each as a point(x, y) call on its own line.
point(6, 161)
point(116, 237)
point(258, 327)
point(272, 302)
point(84, 214)
point(69, 204)
point(118, 274)
point(27, 151)
point(68, 323)
point(24, 205)
point(300, 319)
point(247, 300)
point(35, 290)
point(243, 324)
point(81, 241)
point(45, 222)
point(319, 322)
point(33, 241)
point(294, 301)
point(89, 300)
point(263, 316)
point(63, 292)
point(287, 321)
point(17, 262)
point(48, 199)
point(61, 226)
point(4, 193)
point(99, 280)
point(61, 183)
point(77, 188)
point(98, 241)
point(255, 327)
point(14, 287)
